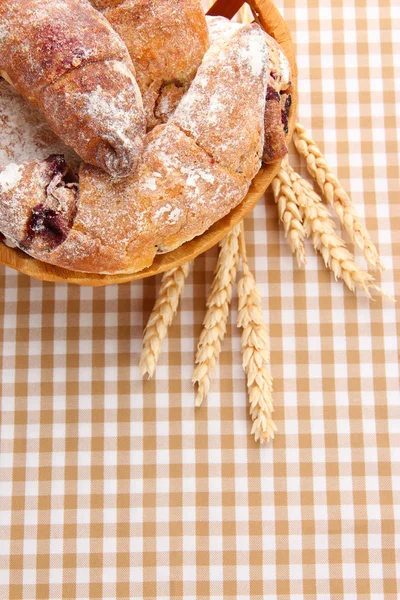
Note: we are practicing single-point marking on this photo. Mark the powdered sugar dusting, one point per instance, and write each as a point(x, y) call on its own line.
point(253, 54)
point(216, 107)
point(24, 134)
point(173, 213)
point(194, 170)
point(109, 110)
point(192, 174)
point(56, 52)
point(206, 176)
point(285, 69)
point(23, 187)
point(120, 67)
point(3, 32)
point(180, 32)
point(10, 177)
point(166, 106)
point(223, 111)
point(151, 184)
point(161, 211)
point(221, 30)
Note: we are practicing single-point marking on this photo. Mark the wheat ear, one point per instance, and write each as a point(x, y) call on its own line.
point(335, 195)
point(290, 215)
point(162, 315)
point(215, 321)
point(255, 350)
point(321, 228)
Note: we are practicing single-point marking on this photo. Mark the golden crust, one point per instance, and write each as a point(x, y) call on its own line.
point(223, 109)
point(106, 120)
point(275, 146)
point(186, 188)
point(22, 187)
point(166, 40)
point(178, 193)
point(183, 184)
point(65, 58)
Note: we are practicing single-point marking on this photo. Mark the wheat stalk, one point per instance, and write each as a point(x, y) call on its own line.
point(321, 228)
point(215, 321)
point(162, 315)
point(290, 215)
point(335, 195)
point(255, 350)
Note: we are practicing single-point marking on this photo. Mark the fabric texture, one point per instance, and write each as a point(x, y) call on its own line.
point(115, 488)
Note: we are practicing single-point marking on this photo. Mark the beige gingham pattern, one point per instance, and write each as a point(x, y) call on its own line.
point(114, 488)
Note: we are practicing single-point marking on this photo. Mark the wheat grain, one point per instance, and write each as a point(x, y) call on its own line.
point(290, 215)
point(215, 321)
point(255, 350)
point(164, 310)
point(319, 226)
point(335, 195)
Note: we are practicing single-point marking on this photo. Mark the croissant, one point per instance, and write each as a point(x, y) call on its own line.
point(167, 40)
point(195, 169)
point(278, 100)
point(65, 58)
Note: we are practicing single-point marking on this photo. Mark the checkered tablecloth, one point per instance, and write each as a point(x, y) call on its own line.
point(114, 488)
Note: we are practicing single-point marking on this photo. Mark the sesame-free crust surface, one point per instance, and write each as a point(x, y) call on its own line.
point(271, 20)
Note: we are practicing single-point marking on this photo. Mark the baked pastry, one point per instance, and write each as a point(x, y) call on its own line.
point(278, 104)
point(24, 134)
point(222, 108)
point(278, 100)
point(167, 40)
point(65, 58)
point(194, 170)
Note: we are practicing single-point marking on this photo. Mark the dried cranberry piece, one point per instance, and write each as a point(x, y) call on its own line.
point(285, 113)
point(48, 224)
point(272, 94)
point(57, 164)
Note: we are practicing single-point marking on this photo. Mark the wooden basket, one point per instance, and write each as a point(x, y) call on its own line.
point(268, 16)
